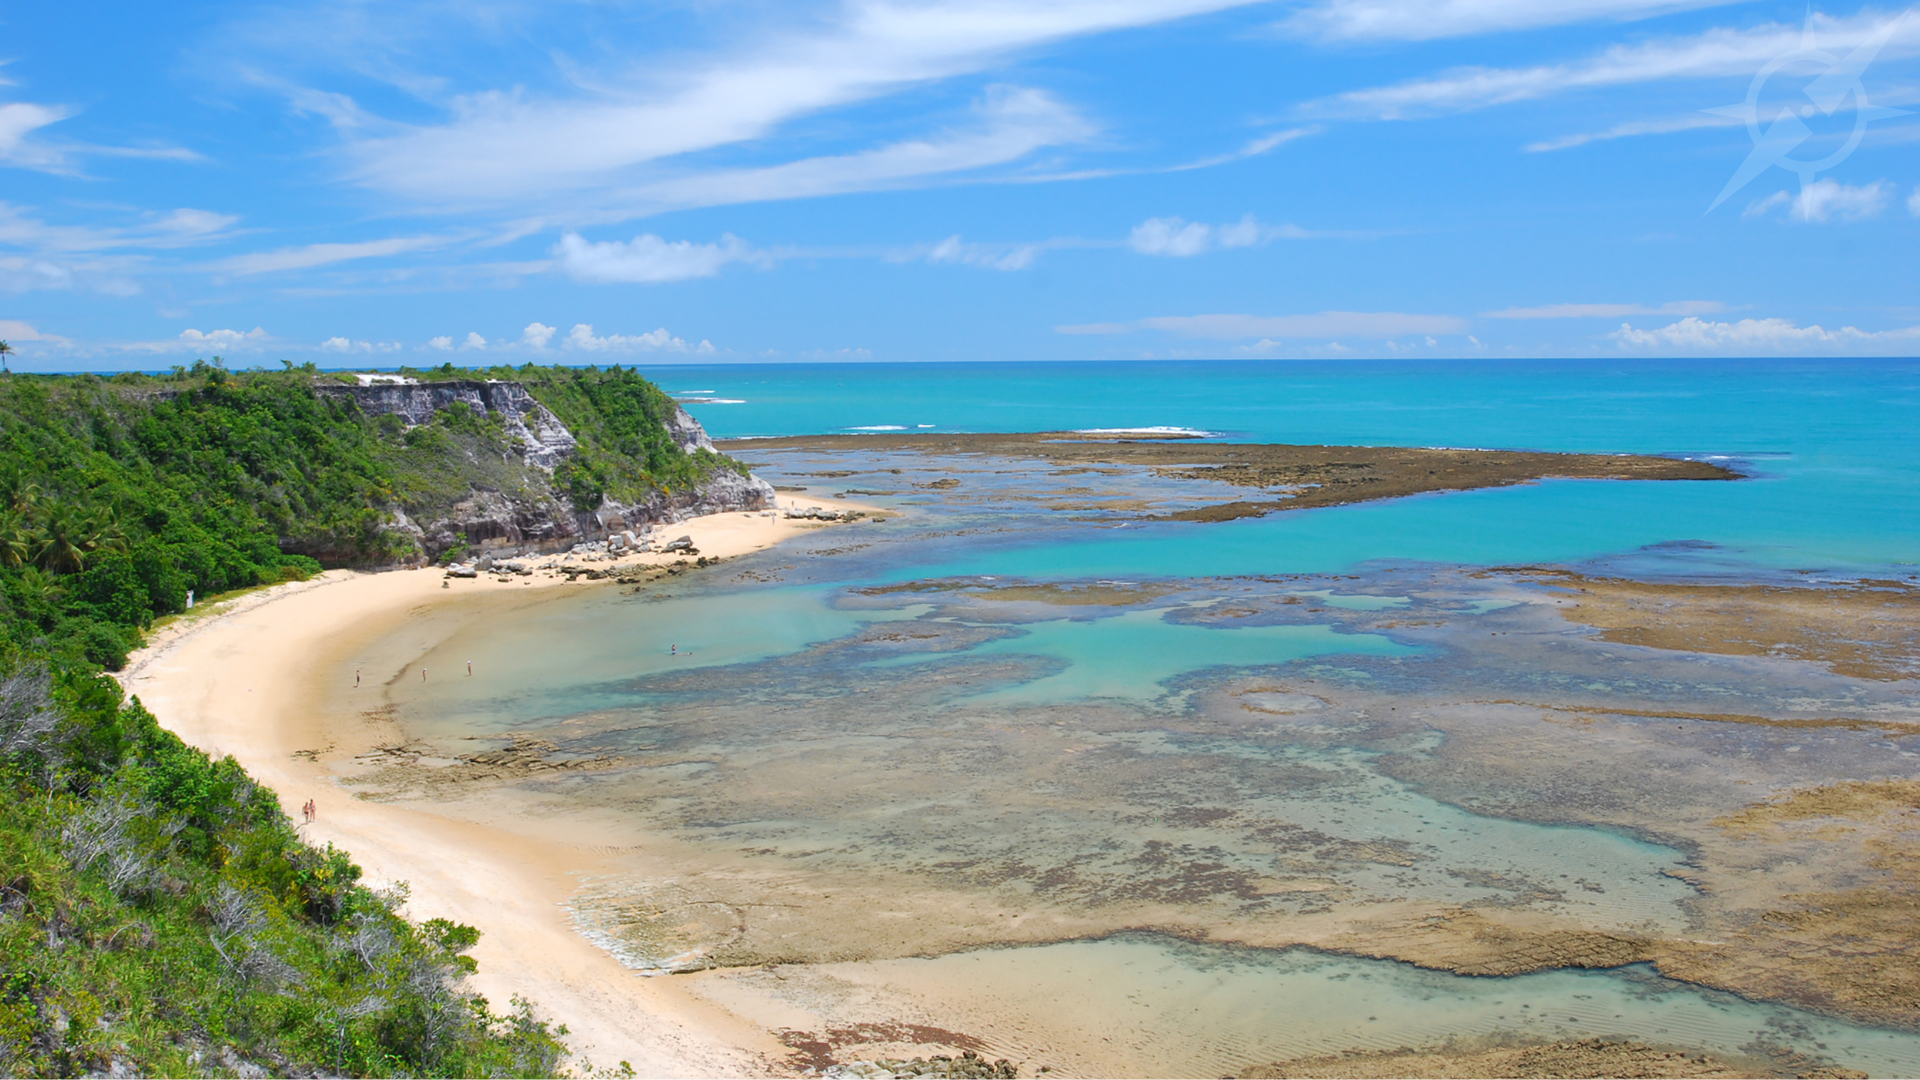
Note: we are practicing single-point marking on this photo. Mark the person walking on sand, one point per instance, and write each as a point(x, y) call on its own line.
point(469, 667)
point(356, 678)
point(423, 674)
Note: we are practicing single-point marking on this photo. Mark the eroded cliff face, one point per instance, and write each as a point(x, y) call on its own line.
point(534, 515)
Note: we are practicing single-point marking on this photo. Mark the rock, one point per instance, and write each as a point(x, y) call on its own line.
point(685, 543)
point(462, 570)
point(539, 517)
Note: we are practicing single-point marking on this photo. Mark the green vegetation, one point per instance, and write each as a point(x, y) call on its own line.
point(158, 912)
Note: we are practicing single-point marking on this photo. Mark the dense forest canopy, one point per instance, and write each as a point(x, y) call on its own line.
point(158, 912)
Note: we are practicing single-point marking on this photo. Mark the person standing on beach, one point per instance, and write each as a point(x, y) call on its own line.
point(356, 678)
point(469, 667)
point(423, 674)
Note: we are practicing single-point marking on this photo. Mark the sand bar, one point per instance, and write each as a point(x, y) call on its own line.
point(239, 678)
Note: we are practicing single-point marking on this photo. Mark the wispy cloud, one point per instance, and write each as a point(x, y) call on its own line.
point(1326, 324)
point(1254, 148)
point(19, 120)
point(1716, 53)
point(499, 146)
point(1011, 123)
point(1419, 20)
point(1608, 311)
point(22, 147)
point(1766, 335)
point(21, 228)
point(1664, 126)
point(986, 254)
point(312, 255)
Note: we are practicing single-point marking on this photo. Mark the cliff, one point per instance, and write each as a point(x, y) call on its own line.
point(506, 479)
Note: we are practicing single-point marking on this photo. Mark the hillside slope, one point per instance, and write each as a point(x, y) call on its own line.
point(119, 496)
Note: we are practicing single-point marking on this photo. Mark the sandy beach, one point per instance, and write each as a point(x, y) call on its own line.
point(239, 678)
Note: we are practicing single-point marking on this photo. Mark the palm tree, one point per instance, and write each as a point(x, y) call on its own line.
point(16, 537)
point(4, 350)
point(60, 547)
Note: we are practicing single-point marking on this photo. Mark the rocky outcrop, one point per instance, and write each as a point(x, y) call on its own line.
point(539, 517)
point(531, 427)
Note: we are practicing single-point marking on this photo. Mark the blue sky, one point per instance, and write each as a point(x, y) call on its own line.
point(713, 180)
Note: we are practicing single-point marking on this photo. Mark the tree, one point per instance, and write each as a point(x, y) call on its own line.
point(4, 350)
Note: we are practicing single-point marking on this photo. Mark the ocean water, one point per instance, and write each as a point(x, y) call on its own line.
point(994, 737)
point(1830, 442)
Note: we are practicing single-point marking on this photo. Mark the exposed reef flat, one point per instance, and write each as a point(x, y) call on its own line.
point(1582, 1058)
point(1865, 630)
point(1294, 477)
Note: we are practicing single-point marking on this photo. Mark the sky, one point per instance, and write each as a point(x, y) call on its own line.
point(599, 181)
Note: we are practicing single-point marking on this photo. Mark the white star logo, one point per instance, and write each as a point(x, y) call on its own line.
point(1825, 94)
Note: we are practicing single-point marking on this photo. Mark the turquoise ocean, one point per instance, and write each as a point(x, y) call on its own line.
point(823, 635)
point(1834, 445)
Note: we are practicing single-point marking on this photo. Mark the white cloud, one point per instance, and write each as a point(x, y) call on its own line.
point(474, 341)
point(536, 335)
point(1770, 335)
point(1824, 200)
point(582, 337)
point(1170, 236)
point(1180, 238)
point(1327, 324)
point(311, 255)
point(954, 251)
point(649, 259)
point(1418, 20)
point(443, 343)
point(1913, 203)
point(1608, 311)
point(347, 345)
point(194, 340)
point(13, 332)
point(1714, 53)
point(498, 145)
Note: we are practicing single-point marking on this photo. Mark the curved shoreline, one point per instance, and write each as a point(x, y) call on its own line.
point(241, 679)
